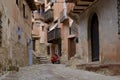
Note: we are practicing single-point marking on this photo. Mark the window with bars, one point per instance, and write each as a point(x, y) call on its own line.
point(0, 32)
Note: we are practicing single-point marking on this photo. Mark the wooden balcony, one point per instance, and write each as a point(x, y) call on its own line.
point(31, 4)
point(81, 5)
point(38, 16)
point(63, 16)
point(54, 35)
point(48, 16)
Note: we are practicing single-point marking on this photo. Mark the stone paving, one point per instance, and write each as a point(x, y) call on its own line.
point(54, 72)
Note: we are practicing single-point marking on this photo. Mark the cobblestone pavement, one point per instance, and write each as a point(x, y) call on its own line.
point(54, 72)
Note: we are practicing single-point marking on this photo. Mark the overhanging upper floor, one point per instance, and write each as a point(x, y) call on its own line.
point(80, 5)
point(31, 4)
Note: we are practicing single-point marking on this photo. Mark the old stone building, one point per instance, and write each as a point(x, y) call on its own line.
point(98, 33)
point(84, 30)
point(15, 31)
point(54, 30)
point(63, 31)
point(39, 31)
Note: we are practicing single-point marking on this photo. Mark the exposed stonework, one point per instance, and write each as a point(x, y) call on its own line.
point(108, 31)
point(12, 18)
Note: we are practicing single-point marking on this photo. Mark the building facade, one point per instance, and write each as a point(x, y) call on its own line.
point(62, 34)
point(15, 31)
point(98, 33)
point(54, 30)
point(39, 30)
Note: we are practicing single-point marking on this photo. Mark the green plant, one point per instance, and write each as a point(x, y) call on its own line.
point(10, 62)
point(12, 67)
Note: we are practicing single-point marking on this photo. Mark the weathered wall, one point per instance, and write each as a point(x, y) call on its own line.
point(64, 36)
point(12, 18)
point(40, 31)
point(108, 31)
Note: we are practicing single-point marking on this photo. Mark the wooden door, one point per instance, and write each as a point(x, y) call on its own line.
point(71, 48)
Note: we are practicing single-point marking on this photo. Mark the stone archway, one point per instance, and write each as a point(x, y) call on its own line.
point(93, 37)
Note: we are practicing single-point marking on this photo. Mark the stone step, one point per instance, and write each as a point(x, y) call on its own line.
point(111, 69)
point(41, 59)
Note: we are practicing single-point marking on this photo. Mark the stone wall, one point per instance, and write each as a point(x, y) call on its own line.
point(108, 31)
point(12, 18)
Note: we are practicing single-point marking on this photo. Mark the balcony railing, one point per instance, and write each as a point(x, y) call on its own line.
point(54, 35)
point(48, 16)
point(63, 16)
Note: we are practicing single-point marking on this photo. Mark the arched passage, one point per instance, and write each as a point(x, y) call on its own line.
point(93, 37)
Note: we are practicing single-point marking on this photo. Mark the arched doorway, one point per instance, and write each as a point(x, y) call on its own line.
point(93, 37)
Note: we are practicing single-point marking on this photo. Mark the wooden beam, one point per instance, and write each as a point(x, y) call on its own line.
point(80, 7)
point(88, 0)
point(83, 3)
point(77, 11)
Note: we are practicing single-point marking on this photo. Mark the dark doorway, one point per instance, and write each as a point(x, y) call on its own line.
point(59, 49)
point(48, 50)
point(94, 37)
point(71, 48)
point(34, 44)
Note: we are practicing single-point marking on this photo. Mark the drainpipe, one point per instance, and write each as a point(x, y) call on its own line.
point(30, 54)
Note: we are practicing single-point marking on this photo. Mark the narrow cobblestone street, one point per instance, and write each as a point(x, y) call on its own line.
point(54, 72)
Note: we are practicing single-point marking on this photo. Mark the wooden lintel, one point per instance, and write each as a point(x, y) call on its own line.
point(80, 7)
point(88, 0)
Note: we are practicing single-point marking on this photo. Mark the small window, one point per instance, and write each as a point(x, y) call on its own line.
point(76, 40)
point(42, 11)
point(42, 28)
point(70, 31)
point(19, 34)
point(48, 50)
point(24, 14)
point(32, 25)
point(17, 2)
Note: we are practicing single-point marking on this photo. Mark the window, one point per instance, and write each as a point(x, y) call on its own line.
point(0, 32)
point(32, 25)
point(42, 28)
point(24, 11)
point(42, 9)
point(48, 50)
point(19, 34)
point(70, 31)
point(17, 2)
